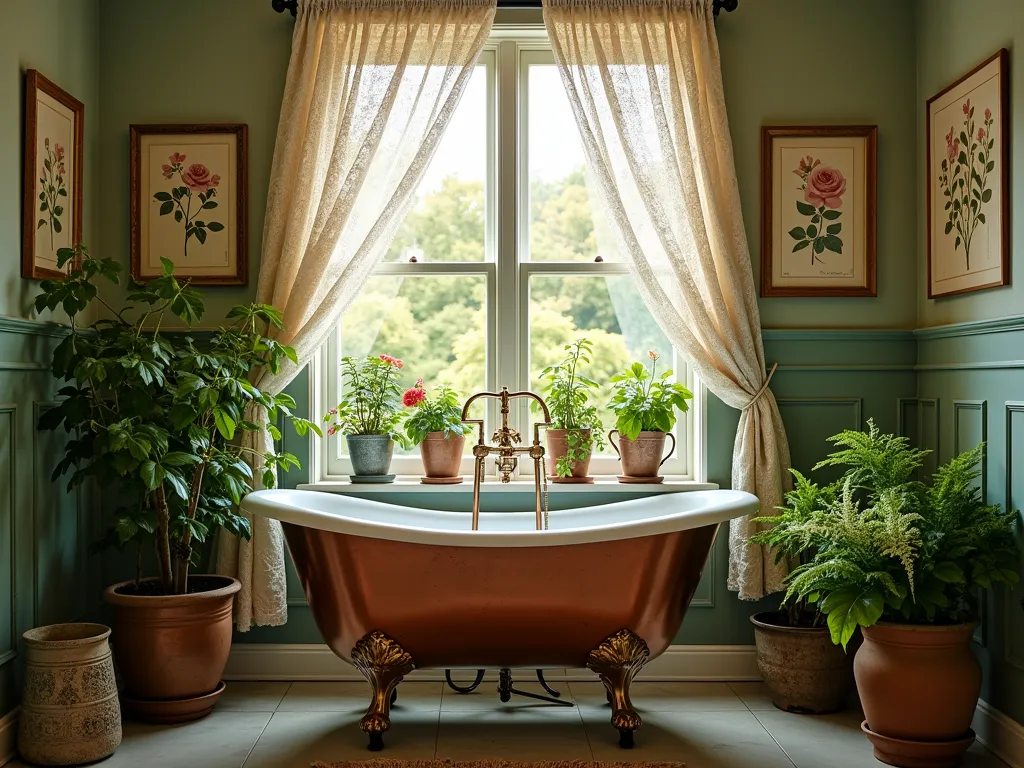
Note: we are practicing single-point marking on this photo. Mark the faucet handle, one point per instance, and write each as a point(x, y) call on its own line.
point(506, 465)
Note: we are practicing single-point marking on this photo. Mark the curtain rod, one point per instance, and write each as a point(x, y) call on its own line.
point(292, 5)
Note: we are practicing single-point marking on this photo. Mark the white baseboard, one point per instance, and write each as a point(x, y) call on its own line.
point(317, 662)
point(9, 736)
point(1001, 734)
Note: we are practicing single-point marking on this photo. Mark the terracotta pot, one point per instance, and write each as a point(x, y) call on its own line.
point(805, 671)
point(918, 684)
point(645, 455)
point(558, 446)
point(172, 649)
point(69, 709)
point(442, 455)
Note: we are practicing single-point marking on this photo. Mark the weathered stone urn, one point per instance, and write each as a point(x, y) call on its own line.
point(70, 714)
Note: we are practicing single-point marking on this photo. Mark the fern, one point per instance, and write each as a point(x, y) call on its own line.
point(874, 461)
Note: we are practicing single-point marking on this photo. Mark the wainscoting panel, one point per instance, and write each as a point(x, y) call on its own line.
point(970, 428)
point(928, 432)
point(814, 420)
point(1014, 625)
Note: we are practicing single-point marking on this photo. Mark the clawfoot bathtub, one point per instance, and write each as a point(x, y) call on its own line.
point(395, 588)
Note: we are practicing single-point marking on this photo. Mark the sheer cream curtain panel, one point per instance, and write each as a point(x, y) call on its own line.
point(645, 83)
point(371, 87)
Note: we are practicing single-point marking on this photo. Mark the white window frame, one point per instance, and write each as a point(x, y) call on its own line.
point(507, 56)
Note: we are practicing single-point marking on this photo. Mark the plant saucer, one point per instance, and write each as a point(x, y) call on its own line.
point(370, 479)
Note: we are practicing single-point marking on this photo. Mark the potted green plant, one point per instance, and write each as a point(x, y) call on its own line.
point(904, 562)
point(645, 408)
point(575, 430)
point(436, 426)
point(369, 415)
point(153, 418)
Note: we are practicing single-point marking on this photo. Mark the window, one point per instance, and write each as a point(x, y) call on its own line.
point(505, 258)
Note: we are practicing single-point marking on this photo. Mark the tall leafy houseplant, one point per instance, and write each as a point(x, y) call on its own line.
point(155, 415)
point(574, 419)
point(436, 425)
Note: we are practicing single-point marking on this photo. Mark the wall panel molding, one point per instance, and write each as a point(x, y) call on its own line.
point(8, 506)
point(928, 437)
point(905, 405)
point(979, 409)
point(1014, 499)
point(857, 403)
point(971, 328)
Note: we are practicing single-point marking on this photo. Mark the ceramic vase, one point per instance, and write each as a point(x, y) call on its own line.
point(558, 446)
point(641, 458)
point(370, 454)
point(171, 649)
point(69, 711)
point(442, 456)
point(919, 687)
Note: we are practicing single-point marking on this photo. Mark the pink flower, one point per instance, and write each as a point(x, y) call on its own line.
point(967, 106)
point(981, 134)
point(391, 360)
point(806, 166)
point(58, 151)
point(333, 412)
point(988, 113)
point(168, 171)
point(413, 397)
point(652, 354)
point(332, 429)
point(419, 383)
point(177, 158)
point(825, 186)
point(198, 177)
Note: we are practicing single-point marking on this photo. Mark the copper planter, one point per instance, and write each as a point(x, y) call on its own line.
point(442, 456)
point(642, 458)
point(558, 446)
point(171, 650)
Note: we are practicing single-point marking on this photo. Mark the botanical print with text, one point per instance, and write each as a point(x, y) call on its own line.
point(52, 189)
point(823, 188)
point(964, 178)
point(198, 184)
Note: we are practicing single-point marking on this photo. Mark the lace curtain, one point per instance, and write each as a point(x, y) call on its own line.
point(645, 84)
point(370, 89)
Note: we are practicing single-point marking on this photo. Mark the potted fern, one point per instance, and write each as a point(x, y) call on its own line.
point(153, 418)
point(575, 429)
point(645, 408)
point(904, 562)
point(436, 426)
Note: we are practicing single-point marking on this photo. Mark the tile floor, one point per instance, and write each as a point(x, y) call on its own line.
point(706, 725)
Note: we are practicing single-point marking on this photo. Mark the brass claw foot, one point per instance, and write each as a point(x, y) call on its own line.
point(384, 664)
point(617, 661)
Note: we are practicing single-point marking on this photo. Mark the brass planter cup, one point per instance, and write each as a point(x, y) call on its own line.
point(558, 446)
point(442, 457)
point(642, 458)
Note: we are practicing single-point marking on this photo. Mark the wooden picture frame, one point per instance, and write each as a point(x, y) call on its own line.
point(181, 175)
point(819, 210)
point(961, 165)
point(52, 205)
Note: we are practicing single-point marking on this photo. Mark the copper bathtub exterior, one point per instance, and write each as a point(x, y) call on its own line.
point(465, 606)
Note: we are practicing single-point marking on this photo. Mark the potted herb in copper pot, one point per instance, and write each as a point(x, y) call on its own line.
point(904, 562)
point(369, 415)
point(436, 427)
point(153, 418)
point(576, 429)
point(645, 408)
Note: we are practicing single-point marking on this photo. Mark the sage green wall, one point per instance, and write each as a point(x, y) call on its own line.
point(953, 37)
point(60, 38)
point(43, 529)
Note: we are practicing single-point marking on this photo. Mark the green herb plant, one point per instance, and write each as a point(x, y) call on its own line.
point(371, 403)
point(878, 544)
point(644, 402)
point(568, 393)
point(439, 412)
point(157, 415)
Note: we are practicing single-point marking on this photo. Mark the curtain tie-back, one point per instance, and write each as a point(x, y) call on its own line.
point(763, 389)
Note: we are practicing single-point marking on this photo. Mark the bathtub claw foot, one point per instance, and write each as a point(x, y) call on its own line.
point(384, 664)
point(617, 661)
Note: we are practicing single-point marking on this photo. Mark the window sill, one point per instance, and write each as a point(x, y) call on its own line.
point(411, 484)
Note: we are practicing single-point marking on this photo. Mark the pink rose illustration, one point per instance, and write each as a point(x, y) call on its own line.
point(825, 186)
point(988, 113)
point(981, 134)
point(167, 170)
point(199, 178)
point(177, 157)
point(967, 106)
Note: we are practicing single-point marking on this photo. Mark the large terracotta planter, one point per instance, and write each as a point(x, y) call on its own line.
point(641, 458)
point(171, 650)
point(442, 456)
point(558, 446)
point(69, 709)
point(805, 671)
point(919, 686)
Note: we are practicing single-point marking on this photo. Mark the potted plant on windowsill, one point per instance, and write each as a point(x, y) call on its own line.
point(903, 561)
point(153, 418)
point(369, 415)
point(645, 408)
point(436, 426)
point(575, 430)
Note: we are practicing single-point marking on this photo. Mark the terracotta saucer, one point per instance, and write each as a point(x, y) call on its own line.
point(629, 479)
point(174, 711)
point(572, 480)
point(918, 754)
point(440, 480)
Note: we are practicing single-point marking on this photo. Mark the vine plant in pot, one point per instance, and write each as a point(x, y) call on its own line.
point(576, 429)
point(153, 418)
point(369, 415)
point(645, 406)
point(436, 426)
point(904, 561)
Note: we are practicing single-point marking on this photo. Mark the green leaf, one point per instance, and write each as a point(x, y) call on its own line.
point(179, 459)
point(209, 204)
point(986, 195)
point(831, 214)
point(833, 243)
point(949, 572)
point(225, 424)
point(215, 226)
point(797, 233)
point(162, 196)
point(805, 208)
point(57, 227)
point(812, 231)
point(201, 235)
point(168, 266)
point(152, 474)
point(177, 216)
point(166, 207)
point(834, 229)
point(949, 227)
point(819, 245)
point(850, 608)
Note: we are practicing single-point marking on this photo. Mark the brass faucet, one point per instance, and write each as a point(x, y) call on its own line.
point(507, 447)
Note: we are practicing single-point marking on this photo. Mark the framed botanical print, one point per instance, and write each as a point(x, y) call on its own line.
point(52, 208)
point(818, 210)
point(188, 201)
point(968, 140)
